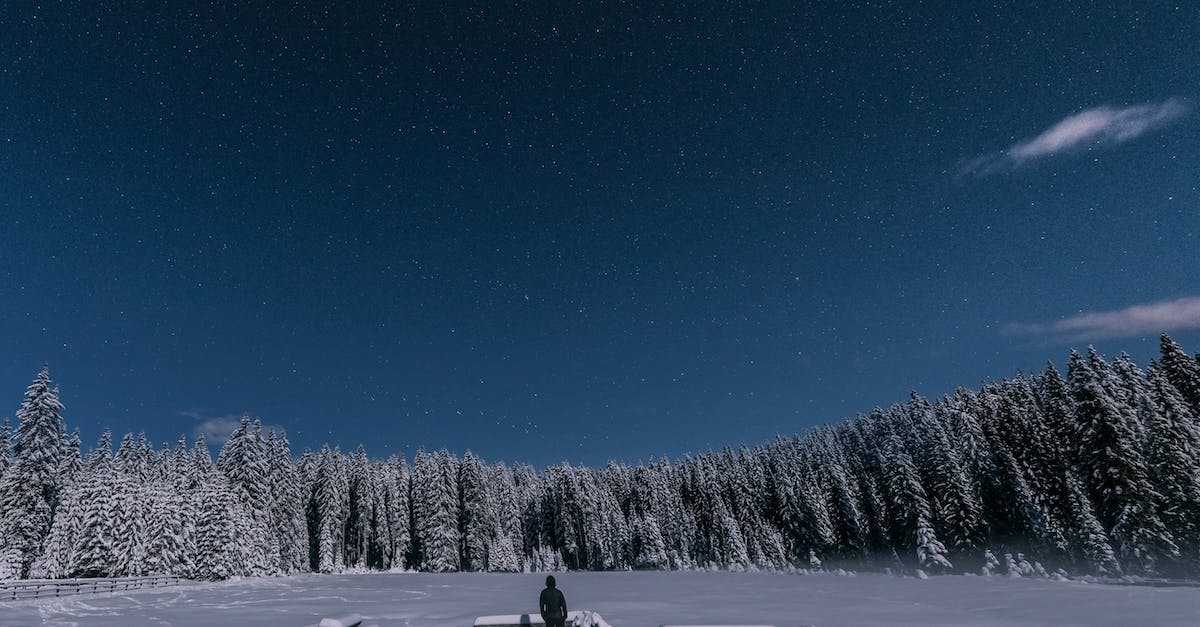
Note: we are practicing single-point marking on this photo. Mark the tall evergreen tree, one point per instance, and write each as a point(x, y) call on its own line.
point(1091, 543)
point(220, 531)
point(30, 486)
point(504, 513)
point(396, 492)
point(329, 498)
point(435, 511)
point(533, 530)
point(93, 549)
point(170, 532)
point(72, 462)
point(129, 531)
point(287, 503)
point(1116, 471)
point(1173, 456)
point(246, 463)
point(1181, 370)
point(911, 505)
point(475, 526)
point(359, 510)
point(605, 530)
point(953, 496)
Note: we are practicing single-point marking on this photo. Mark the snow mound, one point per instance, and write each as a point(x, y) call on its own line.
point(349, 620)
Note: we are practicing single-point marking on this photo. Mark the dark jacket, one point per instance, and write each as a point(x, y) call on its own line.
point(552, 604)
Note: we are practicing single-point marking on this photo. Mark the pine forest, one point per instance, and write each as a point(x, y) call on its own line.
point(1093, 471)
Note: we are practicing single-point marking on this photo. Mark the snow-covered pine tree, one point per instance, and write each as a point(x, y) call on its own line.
point(169, 536)
point(504, 512)
point(58, 553)
point(719, 535)
point(862, 455)
point(648, 551)
point(220, 530)
point(72, 462)
point(93, 553)
point(502, 556)
point(1090, 544)
point(1008, 501)
point(359, 501)
point(1173, 457)
point(287, 503)
point(475, 525)
point(527, 484)
point(306, 468)
point(330, 512)
point(129, 540)
point(845, 500)
point(435, 510)
point(178, 464)
point(606, 532)
point(29, 489)
point(1181, 370)
point(962, 416)
point(908, 500)
point(1130, 388)
point(743, 504)
point(800, 509)
point(1057, 454)
point(397, 512)
point(245, 462)
point(1116, 473)
point(619, 480)
point(564, 516)
point(677, 522)
point(930, 551)
point(133, 458)
point(1022, 484)
point(198, 464)
point(1054, 397)
point(378, 531)
point(952, 495)
point(990, 563)
point(770, 549)
point(101, 455)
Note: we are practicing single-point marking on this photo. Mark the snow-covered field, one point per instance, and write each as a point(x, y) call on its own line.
point(626, 600)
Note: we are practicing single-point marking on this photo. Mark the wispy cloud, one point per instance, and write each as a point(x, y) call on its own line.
point(1146, 319)
point(1098, 126)
point(216, 429)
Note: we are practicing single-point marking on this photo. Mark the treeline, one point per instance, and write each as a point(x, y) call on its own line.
point(1092, 472)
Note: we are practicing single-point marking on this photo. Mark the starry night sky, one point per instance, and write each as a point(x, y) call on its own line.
point(548, 231)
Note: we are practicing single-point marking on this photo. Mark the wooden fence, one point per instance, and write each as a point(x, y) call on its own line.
point(45, 588)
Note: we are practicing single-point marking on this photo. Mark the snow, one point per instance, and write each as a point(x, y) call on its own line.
point(627, 599)
point(508, 620)
point(349, 620)
point(584, 618)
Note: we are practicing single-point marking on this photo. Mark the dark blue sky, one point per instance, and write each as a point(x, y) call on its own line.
point(585, 231)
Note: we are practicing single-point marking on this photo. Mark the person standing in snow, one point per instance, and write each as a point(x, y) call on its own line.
point(552, 604)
